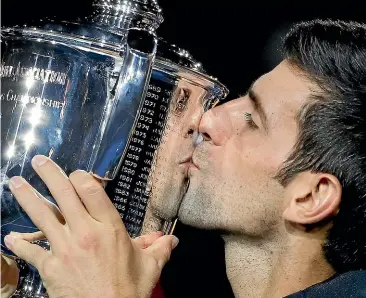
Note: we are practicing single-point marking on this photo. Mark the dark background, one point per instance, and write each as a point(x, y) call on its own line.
point(236, 42)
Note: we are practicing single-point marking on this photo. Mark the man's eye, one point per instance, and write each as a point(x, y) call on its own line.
point(248, 118)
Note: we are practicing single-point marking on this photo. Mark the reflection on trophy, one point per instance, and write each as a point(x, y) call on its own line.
point(107, 96)
point(152, 173)
point(168, 178)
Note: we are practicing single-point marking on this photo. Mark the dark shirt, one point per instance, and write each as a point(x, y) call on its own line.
point(347, 285)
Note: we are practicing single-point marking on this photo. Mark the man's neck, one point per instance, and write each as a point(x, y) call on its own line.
point(276, 267)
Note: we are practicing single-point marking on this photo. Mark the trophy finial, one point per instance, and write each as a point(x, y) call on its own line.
point(123, 14)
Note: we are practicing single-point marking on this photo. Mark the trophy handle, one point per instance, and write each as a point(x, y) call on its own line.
point(124, 109)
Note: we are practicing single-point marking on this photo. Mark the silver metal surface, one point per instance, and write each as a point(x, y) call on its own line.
point(153, 178)
point(102, 97)
point(57, 101)
point(122, 14)
point(123, 111)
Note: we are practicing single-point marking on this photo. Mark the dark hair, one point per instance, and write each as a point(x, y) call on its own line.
point(332, 127)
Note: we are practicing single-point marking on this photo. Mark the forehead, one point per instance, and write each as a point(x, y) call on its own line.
point(282, 91)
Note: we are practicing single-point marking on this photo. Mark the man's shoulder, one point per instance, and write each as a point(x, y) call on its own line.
point(351, 284)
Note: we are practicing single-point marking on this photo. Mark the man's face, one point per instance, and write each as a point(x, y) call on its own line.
point(231, 182)
point(169, 175)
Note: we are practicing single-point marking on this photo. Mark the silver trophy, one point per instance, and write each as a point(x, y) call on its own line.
point(107, 96)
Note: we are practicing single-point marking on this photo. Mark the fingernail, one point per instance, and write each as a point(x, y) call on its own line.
point(17, 181)
point(9, 241)
point(175, 242)
point(39, 160)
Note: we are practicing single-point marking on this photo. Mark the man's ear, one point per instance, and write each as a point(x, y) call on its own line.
point(312, 198)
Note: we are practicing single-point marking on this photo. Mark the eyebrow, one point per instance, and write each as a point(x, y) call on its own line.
point(255, 98)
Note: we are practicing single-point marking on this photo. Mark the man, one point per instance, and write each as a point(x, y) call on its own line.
point(281, 173)
point(287, 163)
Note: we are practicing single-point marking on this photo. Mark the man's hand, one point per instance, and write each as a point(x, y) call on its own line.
point(9, 276)
point(91, 253)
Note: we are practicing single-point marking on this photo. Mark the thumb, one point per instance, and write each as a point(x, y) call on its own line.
point(162, 248)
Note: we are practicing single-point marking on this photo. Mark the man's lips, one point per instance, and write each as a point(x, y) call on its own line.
point(188, 163)
point(189, 160)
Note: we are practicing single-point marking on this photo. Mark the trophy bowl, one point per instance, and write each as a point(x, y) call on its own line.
point(107, 96)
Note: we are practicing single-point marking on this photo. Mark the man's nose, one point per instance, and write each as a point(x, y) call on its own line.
point(215, 126)
point(192, 122)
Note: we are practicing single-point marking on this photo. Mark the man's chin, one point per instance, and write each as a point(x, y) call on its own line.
point(188, 215)
point(192, 222)
point(195, 207)
point(197, 223)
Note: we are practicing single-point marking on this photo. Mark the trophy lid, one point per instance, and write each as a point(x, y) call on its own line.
point(179, 63)
point(119, 14)
point(105, 29)
point(178, 55)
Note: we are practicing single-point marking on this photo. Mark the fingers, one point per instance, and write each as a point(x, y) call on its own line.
point(56, 211)
point(29, 236)
point(29, 252)
point(145, 241)
point(95, 200)
point(61, 189)
point(162, 248)
point(37, 210)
